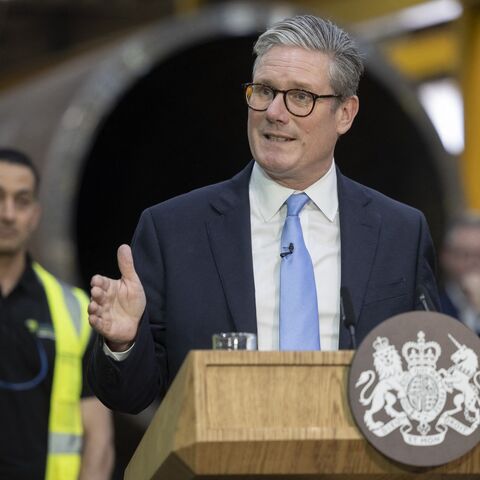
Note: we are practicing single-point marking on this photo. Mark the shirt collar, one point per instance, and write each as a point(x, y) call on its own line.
point(271, 195)
point(28, 281)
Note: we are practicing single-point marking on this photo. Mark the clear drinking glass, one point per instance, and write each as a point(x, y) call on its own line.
point(234, 341)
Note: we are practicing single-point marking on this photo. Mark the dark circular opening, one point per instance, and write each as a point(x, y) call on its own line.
point(183, 125)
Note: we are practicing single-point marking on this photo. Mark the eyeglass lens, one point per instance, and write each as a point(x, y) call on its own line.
point(298, 102)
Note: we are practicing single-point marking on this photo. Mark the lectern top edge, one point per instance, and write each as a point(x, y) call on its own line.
point(224, 357)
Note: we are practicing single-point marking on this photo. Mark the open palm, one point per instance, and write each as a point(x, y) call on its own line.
point(116, 306)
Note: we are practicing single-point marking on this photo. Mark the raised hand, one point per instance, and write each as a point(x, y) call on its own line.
point(116, 306)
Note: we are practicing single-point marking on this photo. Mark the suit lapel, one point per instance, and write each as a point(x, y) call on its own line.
point(230, 240)
point(359, 233)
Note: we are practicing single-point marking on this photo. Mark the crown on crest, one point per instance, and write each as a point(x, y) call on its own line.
point(382, 346)
point(421, 353)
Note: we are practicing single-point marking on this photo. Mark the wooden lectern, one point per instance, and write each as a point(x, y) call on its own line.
point(266, 415)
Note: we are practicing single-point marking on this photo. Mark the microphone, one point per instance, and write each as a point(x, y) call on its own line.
point(290, 251)
point(347, 315)
point(425, 299)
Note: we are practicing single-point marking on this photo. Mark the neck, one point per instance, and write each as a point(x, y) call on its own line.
point(11, 269)
point(300, 183)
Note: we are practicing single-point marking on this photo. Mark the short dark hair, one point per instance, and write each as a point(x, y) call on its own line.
point(17, 157)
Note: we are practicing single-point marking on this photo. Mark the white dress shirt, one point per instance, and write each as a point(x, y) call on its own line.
point(321, 230)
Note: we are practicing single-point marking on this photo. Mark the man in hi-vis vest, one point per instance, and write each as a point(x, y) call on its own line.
point(52, 427)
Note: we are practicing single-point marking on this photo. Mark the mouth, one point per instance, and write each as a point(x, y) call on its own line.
point(271, 137)
point(7, 232)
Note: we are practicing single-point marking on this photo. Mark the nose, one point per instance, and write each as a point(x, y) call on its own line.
point(7, 209)
point(277, 110)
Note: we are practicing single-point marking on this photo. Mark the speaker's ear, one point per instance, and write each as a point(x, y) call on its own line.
point(346, 113)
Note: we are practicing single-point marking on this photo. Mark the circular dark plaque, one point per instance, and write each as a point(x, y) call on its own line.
point(414, 388)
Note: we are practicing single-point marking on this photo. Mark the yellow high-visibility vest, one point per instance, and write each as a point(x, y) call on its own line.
point(68, 310)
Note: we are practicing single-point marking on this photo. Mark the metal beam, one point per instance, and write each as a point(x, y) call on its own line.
point(352, 11)
point(345, 11)
point(425, 54)
point(470, 61)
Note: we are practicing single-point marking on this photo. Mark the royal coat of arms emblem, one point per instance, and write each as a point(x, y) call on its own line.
point(420, 388)
point(422, 391)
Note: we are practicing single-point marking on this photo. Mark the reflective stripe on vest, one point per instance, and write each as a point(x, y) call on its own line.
point(68, 310)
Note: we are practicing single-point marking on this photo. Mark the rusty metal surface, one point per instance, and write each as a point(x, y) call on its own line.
point(55, 117)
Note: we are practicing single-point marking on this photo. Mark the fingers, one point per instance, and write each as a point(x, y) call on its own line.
point(117, 305)
point(94, 314)
point(99, 319)
point(125, 263)
point(95, 322)
point(94, 310)
point(100, 281)
point(98, 294)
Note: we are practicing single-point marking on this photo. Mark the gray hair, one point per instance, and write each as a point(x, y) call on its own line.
point(314, 33)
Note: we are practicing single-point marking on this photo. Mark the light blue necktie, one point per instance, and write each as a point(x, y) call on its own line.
point(299, 329)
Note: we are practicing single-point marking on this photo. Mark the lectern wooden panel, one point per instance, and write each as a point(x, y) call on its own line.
point(265, 415)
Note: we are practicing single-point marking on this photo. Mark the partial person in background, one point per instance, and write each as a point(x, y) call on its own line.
point(460, 263)
point(51, 425)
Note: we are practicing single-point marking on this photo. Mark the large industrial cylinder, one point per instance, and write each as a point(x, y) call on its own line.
point(161, 112)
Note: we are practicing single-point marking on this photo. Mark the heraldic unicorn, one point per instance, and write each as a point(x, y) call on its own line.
point(414, 398)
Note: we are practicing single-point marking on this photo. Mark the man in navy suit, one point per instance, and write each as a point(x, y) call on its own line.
point(210, 260)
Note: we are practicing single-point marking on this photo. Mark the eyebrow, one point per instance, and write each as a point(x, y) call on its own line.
point(19, 193)
point(297, 85)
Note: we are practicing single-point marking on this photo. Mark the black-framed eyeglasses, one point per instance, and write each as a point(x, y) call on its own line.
point(297, 101)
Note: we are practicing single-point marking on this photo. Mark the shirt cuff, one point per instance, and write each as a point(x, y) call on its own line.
point(118, 356)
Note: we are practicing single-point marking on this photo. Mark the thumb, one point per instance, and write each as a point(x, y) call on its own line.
point(125, 263)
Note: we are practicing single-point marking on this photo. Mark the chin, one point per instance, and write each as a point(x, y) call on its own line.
point(276, 166)
point(8, 249)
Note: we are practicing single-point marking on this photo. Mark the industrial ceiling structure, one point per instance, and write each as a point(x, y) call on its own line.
point(71, 86)
point(424, 39)
point(35, 32)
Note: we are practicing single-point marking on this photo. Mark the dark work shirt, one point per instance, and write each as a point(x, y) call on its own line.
point(26, 334)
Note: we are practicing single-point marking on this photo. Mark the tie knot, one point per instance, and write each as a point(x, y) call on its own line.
point(295, 203)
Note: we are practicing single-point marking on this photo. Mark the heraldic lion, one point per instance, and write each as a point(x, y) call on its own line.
point(388, 365)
